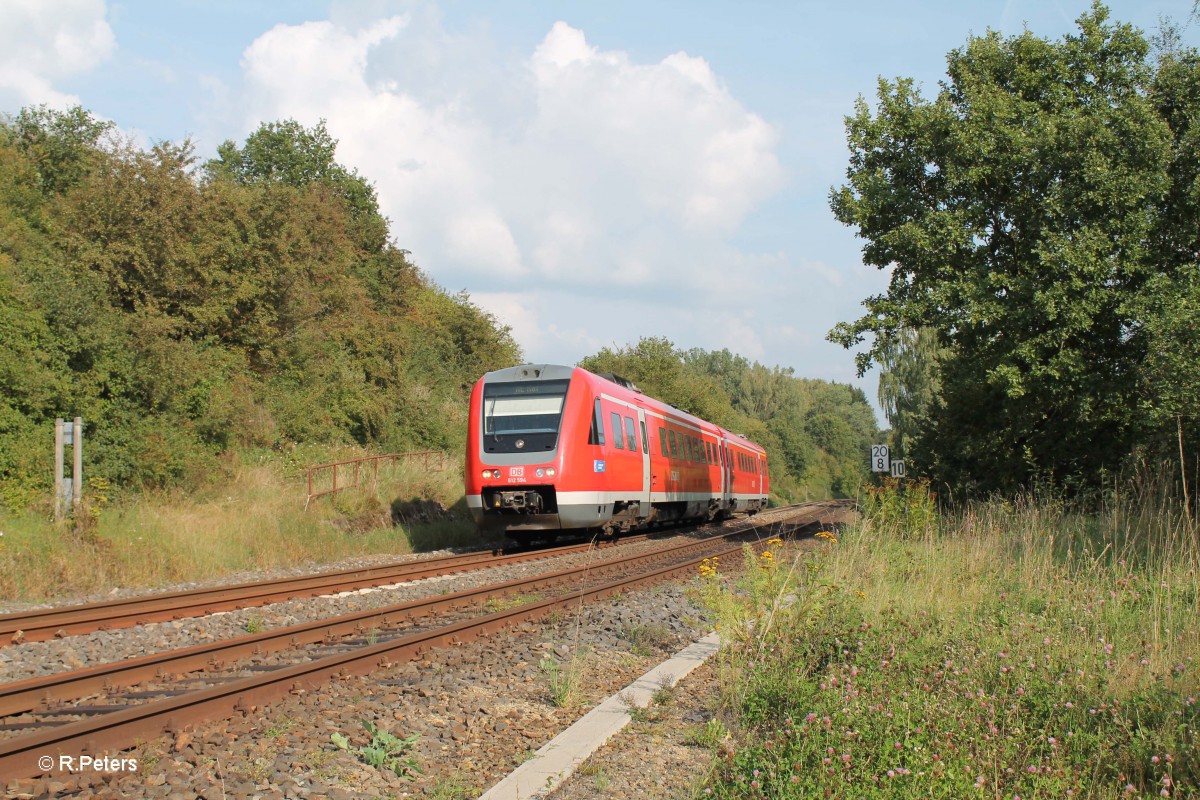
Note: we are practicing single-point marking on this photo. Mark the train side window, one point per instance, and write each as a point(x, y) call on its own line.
point(662, 441)
point(596, 434)
point(645, 438)
point(691, 448)
point(703, 452)
point(674, 447)
point(616, 430)
point(631, 434)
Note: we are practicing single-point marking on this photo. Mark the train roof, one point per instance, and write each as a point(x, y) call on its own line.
point(525, 372)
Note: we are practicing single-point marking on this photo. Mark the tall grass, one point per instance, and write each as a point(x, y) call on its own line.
point(253, 519)
point(1012, 649)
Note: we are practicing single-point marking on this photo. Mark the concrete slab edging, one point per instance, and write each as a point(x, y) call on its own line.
point(559, 758)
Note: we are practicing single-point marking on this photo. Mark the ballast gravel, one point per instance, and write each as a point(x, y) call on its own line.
point(53, 656)
point(479, 709)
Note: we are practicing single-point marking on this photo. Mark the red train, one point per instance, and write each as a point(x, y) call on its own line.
point(553, 448)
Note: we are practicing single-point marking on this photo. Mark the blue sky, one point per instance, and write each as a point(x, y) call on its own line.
point(589, 172)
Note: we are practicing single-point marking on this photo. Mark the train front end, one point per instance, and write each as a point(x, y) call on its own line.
point(520, 421)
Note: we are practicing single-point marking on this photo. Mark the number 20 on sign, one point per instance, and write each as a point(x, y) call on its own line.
point(879, 458)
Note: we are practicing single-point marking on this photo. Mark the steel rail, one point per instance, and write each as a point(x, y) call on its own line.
point(36, 693)
point(121, 728)
point(44, 624)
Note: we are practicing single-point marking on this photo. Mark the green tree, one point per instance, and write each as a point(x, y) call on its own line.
point(63, 146)
point(183, 318)
point(1019, 212)
point(289, 154)
point(816, 433)
point(908, 384)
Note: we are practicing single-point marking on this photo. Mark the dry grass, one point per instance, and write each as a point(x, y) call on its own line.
point(254, 520)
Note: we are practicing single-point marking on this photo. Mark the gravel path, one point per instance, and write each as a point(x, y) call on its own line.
point(659, 756)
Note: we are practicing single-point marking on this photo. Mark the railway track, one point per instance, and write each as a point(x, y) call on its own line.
point(239, 675)
point(43, 624)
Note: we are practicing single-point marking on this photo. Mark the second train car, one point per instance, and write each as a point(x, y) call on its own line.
point(553, 448)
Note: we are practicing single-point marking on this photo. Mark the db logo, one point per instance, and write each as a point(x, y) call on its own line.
point(516, 472)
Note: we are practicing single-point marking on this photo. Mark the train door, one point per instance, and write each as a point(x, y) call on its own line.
point(645, 496)
point(726, 477)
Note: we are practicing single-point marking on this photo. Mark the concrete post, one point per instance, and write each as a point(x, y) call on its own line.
point(77, 471)
point(58, 469)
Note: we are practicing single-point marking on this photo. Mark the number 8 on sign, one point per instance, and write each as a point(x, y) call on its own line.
point(879, 458)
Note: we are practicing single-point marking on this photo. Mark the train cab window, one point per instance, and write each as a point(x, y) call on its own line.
point(645, 438)
point(616, 430)
point(662, 441)
point(674, 448)
point(631, 434)
point(596, 434)
point(522, 416)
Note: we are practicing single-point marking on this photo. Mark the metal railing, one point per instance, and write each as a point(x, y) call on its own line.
point(346, 474)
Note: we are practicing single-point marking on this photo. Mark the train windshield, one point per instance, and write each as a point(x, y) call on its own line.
point(522, 416)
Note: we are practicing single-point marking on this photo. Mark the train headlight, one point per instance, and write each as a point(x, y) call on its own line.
point(541, 473)
point(550, 472)
point(491, 473)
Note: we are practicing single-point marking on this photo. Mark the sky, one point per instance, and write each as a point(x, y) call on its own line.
point(591, 172)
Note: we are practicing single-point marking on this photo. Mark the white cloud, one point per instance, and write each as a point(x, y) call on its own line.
point(44, 41)
point(582, 197)
point(576, 166)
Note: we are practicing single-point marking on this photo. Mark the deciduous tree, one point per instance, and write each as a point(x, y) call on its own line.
point(1025, 214)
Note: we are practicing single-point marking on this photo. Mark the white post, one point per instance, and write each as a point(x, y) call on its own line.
point(77, 471)
point(58, 469)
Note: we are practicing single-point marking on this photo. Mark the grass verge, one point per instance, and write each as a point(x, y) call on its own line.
point(251, 519)
point(1012, 651)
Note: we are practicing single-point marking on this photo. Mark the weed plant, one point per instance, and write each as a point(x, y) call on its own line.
point(254, 519)
point(565, 680)
point(383, 751)
point(1013, 650)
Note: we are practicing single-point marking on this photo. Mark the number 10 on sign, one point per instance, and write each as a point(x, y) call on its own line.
point(879, 458)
